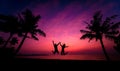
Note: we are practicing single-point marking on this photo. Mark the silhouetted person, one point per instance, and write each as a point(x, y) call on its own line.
point(63, 49)
point(55, 48)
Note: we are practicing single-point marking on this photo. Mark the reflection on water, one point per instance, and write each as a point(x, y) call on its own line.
point(72, 57)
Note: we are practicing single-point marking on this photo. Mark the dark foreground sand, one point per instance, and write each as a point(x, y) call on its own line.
point(52, 64)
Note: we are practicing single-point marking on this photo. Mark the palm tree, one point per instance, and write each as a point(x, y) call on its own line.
point(1, 40)
point(14, 41)
point(117, 42)
point(29, 26)
point(97, 28)
point(10, 24)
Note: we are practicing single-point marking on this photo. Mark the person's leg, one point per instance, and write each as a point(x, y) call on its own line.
point(62, 53)
point(65, 53)
point(57, 52)
point(53, 52)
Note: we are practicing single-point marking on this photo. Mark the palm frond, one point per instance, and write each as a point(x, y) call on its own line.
point(34, 37)
point(84, 31)
point(1, 40)
point(111, 37)
point(36, 19)
point(86, 22)
point(97, 14)
point(14, 41)
point(42, 33)
point(109, 19)
point(113, 16)
point(115, 26)
point(113, 32)
point(117, 48)
point(89, 36)
point(92, 37)
point(117, 39)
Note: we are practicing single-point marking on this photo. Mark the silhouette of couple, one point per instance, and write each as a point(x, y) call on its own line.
point(63, 46)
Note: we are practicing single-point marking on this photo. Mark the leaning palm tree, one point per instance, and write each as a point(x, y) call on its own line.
point(29, 26)
point(98, 28)
point(9, 24)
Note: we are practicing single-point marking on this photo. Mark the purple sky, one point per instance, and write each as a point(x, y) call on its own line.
point(62, 21)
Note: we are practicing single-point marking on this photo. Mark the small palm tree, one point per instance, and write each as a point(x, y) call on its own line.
point(117, 42)
point(1, 40)
point(14, 41)
point(10, 24)
point(29, 26)
point(97, 28)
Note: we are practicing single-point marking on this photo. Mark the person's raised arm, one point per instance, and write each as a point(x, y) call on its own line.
point(66, 46)
point(58, 43)
point(53, 42)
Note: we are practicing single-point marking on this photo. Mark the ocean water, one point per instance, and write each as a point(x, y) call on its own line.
point(73, 57)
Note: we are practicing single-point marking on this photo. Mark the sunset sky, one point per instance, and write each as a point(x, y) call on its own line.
point(62, 21)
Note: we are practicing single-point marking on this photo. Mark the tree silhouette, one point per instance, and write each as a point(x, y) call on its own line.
point(117, 42)
point(97, 28)
point(1, 40)
point(29, 26)
point(9, 24)
point(14, 41)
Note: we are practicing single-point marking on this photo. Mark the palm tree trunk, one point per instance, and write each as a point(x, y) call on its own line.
point(4, 46)
point(106, 55)
point(19, 47)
